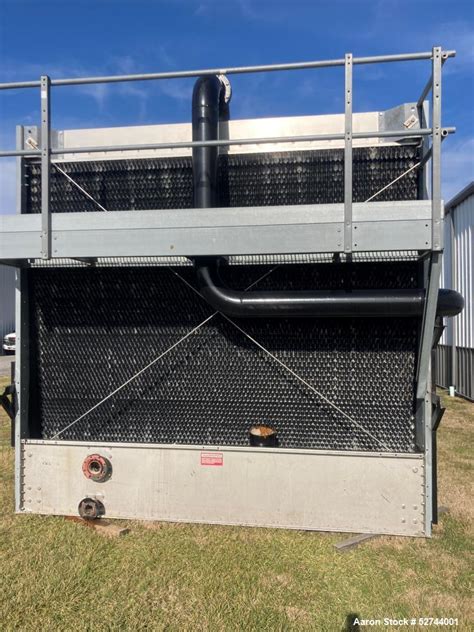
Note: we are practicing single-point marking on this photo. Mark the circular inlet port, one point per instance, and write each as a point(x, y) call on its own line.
point(263, 436)
point(91, 508)
point(98, 468)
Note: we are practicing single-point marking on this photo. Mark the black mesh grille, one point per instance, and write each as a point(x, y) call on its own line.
point(93, 329)
point(307, 177)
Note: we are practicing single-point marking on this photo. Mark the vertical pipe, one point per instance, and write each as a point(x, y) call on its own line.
point(206, 108)
point(45, 167)
point(348, 154)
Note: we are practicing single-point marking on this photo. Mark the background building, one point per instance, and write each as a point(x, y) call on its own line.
point(455, 356)
point(7, 302)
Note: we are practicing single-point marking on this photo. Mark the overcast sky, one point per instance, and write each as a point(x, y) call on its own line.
point(92, 37)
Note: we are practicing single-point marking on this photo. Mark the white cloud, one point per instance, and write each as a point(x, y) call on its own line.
point(125, 64)
point(99, 92)
point(248, 11)
point(177, 89)
point(458, 36)
point(165, 57)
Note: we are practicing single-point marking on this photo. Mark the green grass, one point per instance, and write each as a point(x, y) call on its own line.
point(59, 575)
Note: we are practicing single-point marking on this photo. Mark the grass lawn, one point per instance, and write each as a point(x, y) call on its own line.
point(58, 575)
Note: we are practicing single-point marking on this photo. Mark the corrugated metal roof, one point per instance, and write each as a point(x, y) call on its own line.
point(459, 197)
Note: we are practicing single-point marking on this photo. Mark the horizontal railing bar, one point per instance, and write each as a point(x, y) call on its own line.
point(383, 59)
point(224, 71)
point(405, 133)
point(20, 152)
point(238, 141)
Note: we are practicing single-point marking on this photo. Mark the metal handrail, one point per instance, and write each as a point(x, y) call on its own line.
point(403, 133)
point(236, 70)
point(436, 132)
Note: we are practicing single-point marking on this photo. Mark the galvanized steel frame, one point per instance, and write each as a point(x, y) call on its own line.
point(424, 393)
point(45, 167)
point(437, 57)
point(22, 363)
point(45, 233)
point(348, 154)
point(382, 226)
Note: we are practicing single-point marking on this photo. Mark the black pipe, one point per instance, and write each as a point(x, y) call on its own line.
point(336, 303)
point(208, 104)
point(208, 108)
point(450, 303)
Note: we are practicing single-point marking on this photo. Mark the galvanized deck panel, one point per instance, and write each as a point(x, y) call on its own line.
point(378, 226)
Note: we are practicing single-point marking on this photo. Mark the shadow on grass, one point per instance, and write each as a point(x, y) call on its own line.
point(350, 624)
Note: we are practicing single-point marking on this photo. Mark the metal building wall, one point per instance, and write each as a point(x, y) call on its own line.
point(7, 302)
point(461, 278)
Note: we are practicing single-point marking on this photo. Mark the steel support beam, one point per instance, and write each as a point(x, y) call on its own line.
point(45, 168)
point(348, 154)
point(22, 375)
point(424, 396)
point(429, 317)
point(380, 226)
point(436, 151)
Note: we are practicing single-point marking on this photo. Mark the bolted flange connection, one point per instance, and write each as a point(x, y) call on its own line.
point(97, 468)
point(91, 508)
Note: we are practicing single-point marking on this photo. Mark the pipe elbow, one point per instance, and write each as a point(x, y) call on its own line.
point(450, 303)
point(317, 303)
point(207, 92)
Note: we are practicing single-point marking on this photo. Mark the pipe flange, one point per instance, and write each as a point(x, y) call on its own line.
point(227, 87)
point(91, 509)
point(97, 468)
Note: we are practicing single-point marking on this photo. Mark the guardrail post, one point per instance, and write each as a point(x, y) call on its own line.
point(436, 157)
point(348, 154)
point(45, 167)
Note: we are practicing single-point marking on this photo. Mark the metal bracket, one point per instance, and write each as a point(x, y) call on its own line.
point(7, 404)
point(10, 406)
point(438, 412)
point(405, 116)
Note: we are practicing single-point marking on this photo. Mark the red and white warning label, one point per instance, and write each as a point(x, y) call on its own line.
point(212, 458)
